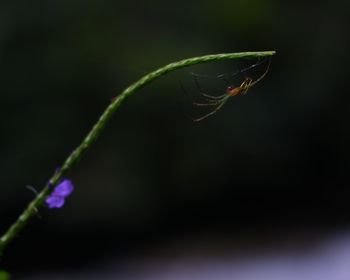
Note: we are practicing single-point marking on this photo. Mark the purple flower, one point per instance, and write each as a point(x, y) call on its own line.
point(57, 197)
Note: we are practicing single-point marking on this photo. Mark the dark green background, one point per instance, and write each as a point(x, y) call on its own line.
point(274, 160)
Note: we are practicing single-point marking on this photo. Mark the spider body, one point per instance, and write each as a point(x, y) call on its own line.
point(218, 101)
point(232, 91)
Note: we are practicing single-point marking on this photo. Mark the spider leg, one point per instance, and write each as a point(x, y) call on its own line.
point(223, 101)
point(202, 92)
point(213, 97)
point(192, 100)
point(210, 102)
point(247, 83)
point(205, 104)
point(223, 77)
point(213, 102)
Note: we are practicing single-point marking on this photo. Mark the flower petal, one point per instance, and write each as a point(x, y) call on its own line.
point(64, 188)
point(55, 201)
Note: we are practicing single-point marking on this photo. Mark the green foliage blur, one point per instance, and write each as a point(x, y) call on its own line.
point(4, 275)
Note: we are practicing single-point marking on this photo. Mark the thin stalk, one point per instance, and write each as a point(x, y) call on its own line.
point(34, 206)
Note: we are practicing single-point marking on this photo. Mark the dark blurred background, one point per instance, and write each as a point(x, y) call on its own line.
point(272, 165)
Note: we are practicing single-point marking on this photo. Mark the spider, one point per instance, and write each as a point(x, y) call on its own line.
point(218, 101)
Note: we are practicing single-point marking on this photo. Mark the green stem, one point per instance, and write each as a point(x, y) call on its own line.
point(95, 132)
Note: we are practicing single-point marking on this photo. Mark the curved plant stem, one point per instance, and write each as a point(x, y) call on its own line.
point(95, 132)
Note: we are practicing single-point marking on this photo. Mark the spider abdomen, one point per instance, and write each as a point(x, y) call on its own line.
point(232, 91)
